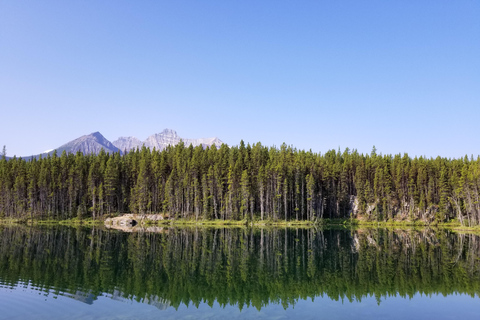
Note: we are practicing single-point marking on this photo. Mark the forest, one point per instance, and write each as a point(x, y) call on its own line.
point(244, 182)
point(239, 266)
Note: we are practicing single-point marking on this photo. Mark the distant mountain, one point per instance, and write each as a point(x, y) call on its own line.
point(95, 142)
point(127, 143)
point(87, 144)
point(91, 143)
point(161, 140)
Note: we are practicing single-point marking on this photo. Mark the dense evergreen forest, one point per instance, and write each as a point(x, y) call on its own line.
point(242, 182)
point(239, 266)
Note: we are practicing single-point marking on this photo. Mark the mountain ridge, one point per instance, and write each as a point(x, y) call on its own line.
point(94, 142)
point(161, 140)
point(87, 144)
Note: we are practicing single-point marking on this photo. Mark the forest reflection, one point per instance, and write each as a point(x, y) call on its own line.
point(236, 266)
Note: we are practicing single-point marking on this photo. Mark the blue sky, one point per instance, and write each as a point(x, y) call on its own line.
point(401, 75)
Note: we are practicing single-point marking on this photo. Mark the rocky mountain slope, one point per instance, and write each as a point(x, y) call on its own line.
point(91, 143)
point(160, 141)
point(127, 143)
point(94, 142)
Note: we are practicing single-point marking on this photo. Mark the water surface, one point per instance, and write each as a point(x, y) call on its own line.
point(51, 272)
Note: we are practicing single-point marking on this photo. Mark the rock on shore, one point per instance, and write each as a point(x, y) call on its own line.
point(131, 219)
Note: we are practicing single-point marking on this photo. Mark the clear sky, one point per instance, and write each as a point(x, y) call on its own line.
point(401, 75)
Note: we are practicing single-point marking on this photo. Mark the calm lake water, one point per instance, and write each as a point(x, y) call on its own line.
point(188, 273)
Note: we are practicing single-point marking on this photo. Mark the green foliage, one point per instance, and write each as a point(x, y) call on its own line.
point(242, 182)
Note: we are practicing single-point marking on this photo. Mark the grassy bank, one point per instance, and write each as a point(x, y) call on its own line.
point(452, 225)
point(344, 223)
point(243, 223)
point(69, 222)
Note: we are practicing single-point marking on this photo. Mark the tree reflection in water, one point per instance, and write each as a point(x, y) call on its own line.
point(237, 266)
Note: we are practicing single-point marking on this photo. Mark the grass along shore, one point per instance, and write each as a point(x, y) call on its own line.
point(347, 223)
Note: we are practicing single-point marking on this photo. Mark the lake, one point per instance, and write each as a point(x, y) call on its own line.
point(239, 273)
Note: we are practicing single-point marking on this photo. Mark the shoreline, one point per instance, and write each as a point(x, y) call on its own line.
point(345, 223)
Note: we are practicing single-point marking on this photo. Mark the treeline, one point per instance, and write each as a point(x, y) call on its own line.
point(239, 266)
point(242, 182)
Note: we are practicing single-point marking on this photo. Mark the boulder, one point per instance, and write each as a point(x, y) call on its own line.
point(131, 220)
point(126, 220)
